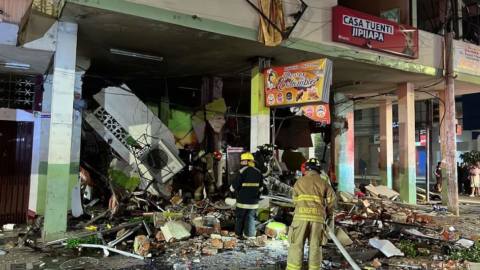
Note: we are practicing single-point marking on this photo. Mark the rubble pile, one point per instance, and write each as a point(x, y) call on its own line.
point(402, 235)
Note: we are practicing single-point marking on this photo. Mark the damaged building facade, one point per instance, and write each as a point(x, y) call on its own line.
point(158, 99)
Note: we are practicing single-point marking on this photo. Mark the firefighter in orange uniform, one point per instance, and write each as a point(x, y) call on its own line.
point(314, 200)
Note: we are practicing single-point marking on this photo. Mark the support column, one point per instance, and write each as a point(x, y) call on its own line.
point(443, 146)
point(60, 141)
point(407, 164)
point(386, 143)
point(260, 115)
point(79, 104)
point(413, 9)
point(344, 152)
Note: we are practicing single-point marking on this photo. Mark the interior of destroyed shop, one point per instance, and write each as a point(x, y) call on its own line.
point(130, 134)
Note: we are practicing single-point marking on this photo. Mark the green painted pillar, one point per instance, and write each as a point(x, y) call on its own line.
point(60, 141)
point(386, 143)
point(407, 164)
point(260, 115)
point(344, 153)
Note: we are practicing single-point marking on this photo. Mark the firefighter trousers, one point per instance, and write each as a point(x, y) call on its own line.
point(298, 233)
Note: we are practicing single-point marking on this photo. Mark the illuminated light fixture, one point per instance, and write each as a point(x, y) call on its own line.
point(137, 55)
point(15, 65)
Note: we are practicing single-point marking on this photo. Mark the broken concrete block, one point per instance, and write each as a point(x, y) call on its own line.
point(275, 229)
point(260, 242)
point(160, 237)
point(216, 243)
point(229, 242)
point(376, 263)
point(197, 246)
point(176, 200)
point(209, 251)
point(215, 236)
point(206, 225)
point(399, 217)
point(343, 237)
point(177, 230)
point(142, 245)
point(366, 203)
point(121, 232)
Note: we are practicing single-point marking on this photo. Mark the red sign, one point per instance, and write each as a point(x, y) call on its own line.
point(318, 113)
point(370, 32)
point(423, 140)
point(459, 130)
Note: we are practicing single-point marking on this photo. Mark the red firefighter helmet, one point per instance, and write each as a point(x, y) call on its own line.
point(302, 168)
point(217, 155)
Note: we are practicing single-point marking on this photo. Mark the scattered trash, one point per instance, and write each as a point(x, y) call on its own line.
point(386, 247)
point(9, 227)
point(377, 191)
point(275, 229)
point(142, 245)
point(2, 252)
point(176, 230)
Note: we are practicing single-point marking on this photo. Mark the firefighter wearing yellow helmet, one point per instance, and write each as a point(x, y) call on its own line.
point(248, 185)
point(314, 200)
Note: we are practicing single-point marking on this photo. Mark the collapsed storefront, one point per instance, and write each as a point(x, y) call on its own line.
point(162, 125)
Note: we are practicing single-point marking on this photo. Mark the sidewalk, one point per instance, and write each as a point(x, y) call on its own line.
point(421, 184)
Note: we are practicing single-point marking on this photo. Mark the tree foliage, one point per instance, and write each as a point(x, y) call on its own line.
point(471, 157)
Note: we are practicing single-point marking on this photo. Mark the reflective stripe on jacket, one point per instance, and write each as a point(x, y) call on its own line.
point(248, 185)
point(314, 198)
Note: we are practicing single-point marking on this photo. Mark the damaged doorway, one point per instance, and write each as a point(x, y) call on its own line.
point(16, 140)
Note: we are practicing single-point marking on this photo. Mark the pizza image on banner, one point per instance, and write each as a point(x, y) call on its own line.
point(370, 32)
point(302, 83)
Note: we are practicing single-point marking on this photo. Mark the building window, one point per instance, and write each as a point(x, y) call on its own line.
point(17, 91)
point(358, 115)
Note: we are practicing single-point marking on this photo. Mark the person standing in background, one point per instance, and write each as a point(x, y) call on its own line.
point(465, 181)
point(475, 180)
point(438, 175)
point(362, 166)
point(459, 179)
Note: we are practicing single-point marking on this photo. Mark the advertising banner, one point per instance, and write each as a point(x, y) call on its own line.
point(299, 84)
point(317, 113)
point(370, 32)
point(466, 60)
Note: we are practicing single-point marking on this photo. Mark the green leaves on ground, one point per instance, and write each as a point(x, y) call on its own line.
point(472, 254)
point(75, 242)
point(408, 248)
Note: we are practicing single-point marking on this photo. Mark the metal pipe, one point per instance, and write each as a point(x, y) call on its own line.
point(94, 233)
point(342, 249)
point(147, 228)
point(124, 253)
point(125, 235)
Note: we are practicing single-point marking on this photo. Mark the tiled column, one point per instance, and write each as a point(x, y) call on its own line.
point(386, 143)
point(260, 115)
point(344, 153)
point(407, 164)
point(60, 141)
